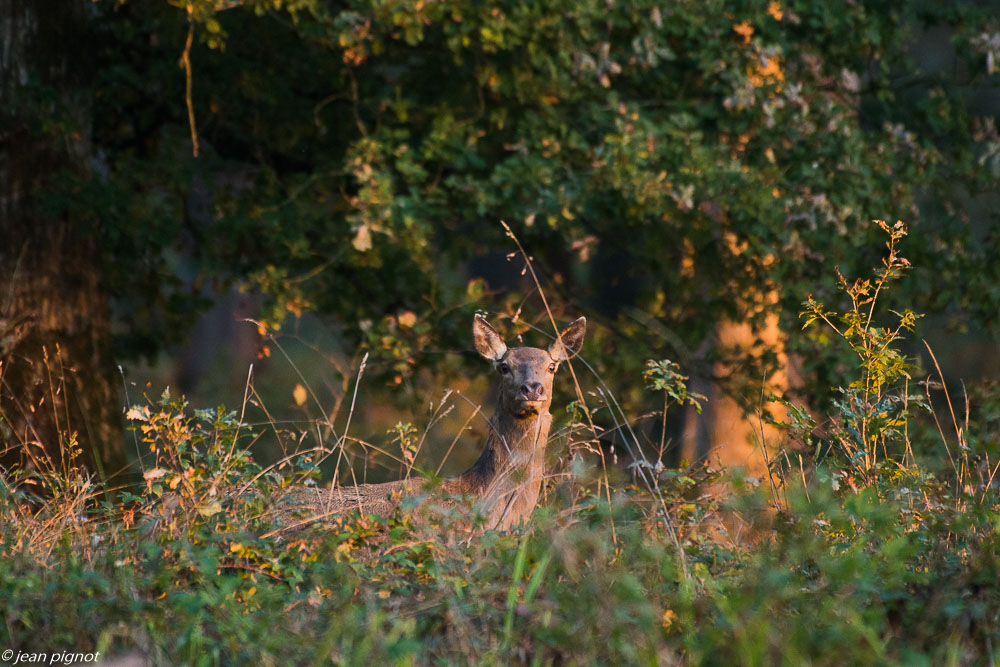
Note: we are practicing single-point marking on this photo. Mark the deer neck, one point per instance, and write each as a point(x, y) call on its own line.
point(507, 476)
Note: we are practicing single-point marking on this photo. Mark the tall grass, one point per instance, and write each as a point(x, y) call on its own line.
point(877, 554)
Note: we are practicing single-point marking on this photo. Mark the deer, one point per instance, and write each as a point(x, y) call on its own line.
point(506, 479)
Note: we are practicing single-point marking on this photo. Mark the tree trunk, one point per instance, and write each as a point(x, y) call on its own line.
point(739, 436)
point(58, 394)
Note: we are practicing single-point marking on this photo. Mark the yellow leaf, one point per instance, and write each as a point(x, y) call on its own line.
point(299, 394)
point(774, 9)
point(744, 30)
point(235, 547)
point(211, 508)
point(407, 319)
point(155, 473)
point(362, 239)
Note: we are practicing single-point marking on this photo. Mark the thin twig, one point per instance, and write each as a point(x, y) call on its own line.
point(944, 386)
point(455, 440)
point(944, 440)
point(951, 410)
point(243, 411)
point(185, 62)
point(302, 379)
point(436, 417)
point(138, 454)
point(763, 444)
point(906, 421)
point(343, 439)
point(802, 471)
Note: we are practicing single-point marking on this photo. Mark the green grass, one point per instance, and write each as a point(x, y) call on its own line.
point(899, 569)
point(878, 549)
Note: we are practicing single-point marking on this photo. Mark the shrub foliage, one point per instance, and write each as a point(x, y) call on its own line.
point(880, 551)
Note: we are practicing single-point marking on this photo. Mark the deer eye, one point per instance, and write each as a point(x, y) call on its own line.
point(552, 368)
point(504, 368)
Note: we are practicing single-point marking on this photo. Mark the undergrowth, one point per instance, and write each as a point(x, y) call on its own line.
point(875, 554)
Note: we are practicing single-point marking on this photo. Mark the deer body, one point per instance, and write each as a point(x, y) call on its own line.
point(507, 477)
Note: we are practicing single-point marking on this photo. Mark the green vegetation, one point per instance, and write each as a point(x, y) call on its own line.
point(672, 171)
point(685, 164)
point(878, 554)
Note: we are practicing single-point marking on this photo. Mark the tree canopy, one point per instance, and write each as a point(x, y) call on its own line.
point(347, 151)
point(684, 160)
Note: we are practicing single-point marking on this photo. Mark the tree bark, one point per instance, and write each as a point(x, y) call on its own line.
point(733, 431)
point(58, 394)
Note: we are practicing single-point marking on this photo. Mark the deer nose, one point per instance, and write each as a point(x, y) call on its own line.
point(533, 391)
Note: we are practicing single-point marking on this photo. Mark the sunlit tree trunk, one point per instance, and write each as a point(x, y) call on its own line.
point(58, 383)
point(733, 431)
point(730, 429)
point(738, 424)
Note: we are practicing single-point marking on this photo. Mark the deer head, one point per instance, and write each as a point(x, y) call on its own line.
point(526, 372)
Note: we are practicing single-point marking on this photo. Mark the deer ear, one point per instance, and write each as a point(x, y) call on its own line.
point(570, 341)
point(488, 342)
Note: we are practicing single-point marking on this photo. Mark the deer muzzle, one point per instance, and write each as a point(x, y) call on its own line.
point(532, 392)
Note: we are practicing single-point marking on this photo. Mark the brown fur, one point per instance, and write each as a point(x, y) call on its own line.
point(507, 477)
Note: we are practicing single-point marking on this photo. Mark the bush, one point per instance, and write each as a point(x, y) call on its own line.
point(877, 555)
